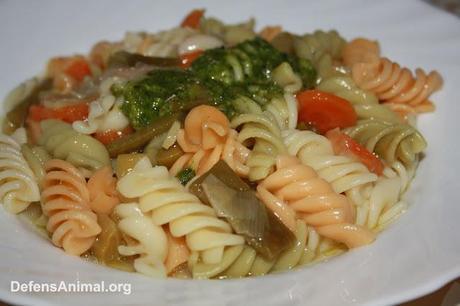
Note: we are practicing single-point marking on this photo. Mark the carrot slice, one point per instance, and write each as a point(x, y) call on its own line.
point(192, 20)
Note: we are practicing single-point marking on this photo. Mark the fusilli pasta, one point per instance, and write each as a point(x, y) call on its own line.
point(262, 131)
point(207, 138)
point(396, 86)
point(65, 200)
point(62, 142)
point(36, 158)
point(102, 191)
point(392, 142)
point(364, 102)
point(145, 239)
point(162, 44)
point(295, 191)
point(104, 113)
point(18, 184)
point(242, 260)
point(166, 201)
point(313, 46)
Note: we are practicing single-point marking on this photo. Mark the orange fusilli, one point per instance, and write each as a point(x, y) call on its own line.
point(102, 191)
point(65, 200)
point(294, 191)
point(206, 139)
point(394, 85)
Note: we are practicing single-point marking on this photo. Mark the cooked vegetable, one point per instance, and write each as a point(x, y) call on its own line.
point(234, 200)
point(168, 157)
point(345, 145)
point(192, 20)
point(78, 69)
point(105, 248)
point(126, 163)
point(325, 111)
point(136, 141)
point(70, 113)
point(161, 93)
point(186, 175)
point(188, 58)
point(218, 77)
point(110, 136)
point(126, 59)
point(16, 117)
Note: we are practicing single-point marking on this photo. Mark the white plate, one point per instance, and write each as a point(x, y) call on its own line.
point(418, 254)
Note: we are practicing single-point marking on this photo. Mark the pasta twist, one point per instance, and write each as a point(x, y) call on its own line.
point(285, 77)
point(261, 131)
point(295, 191)
point(343, 173)
point(166, 201)
point(357, 51)
point(231, 34)
point(18, 184)
point(364, 102)
point(206, 139)
point(104, 113)
point(162, 44)
point(102, 191)
point(392, 142)
point(313, 46)
point(396, 86)
point(284, 111)
point(403, 172)
point(242, 260)
point(36, 158)
point(145, 239)
point(62, 142)
point(65, 200)
point(383, 206)
point(280, 109)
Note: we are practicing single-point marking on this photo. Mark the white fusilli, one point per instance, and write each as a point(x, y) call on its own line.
point(165, 200)
point(18, 184)
point(150, 241)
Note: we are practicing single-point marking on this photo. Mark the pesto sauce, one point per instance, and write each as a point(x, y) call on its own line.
point(185, 175)
point(217, 77)
point(160, 93)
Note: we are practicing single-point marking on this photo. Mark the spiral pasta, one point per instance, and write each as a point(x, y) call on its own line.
point(396, 86)
point(231, 34)
point(162, 44)
point(65, 200)
point(206, 139)
point(104, 113)
point(405, 173)
point(62, 142)
point(313, 46)
point(358, 50)
point(295, 191)
point(145, 239)
point(18, 184)
point(102, 191)
point(242, 260)
point(392, 142)
point(165, 200)
point(383, 206)
point(264, 133)
point(36, 158)
point(316, 151)
point(364, 102)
